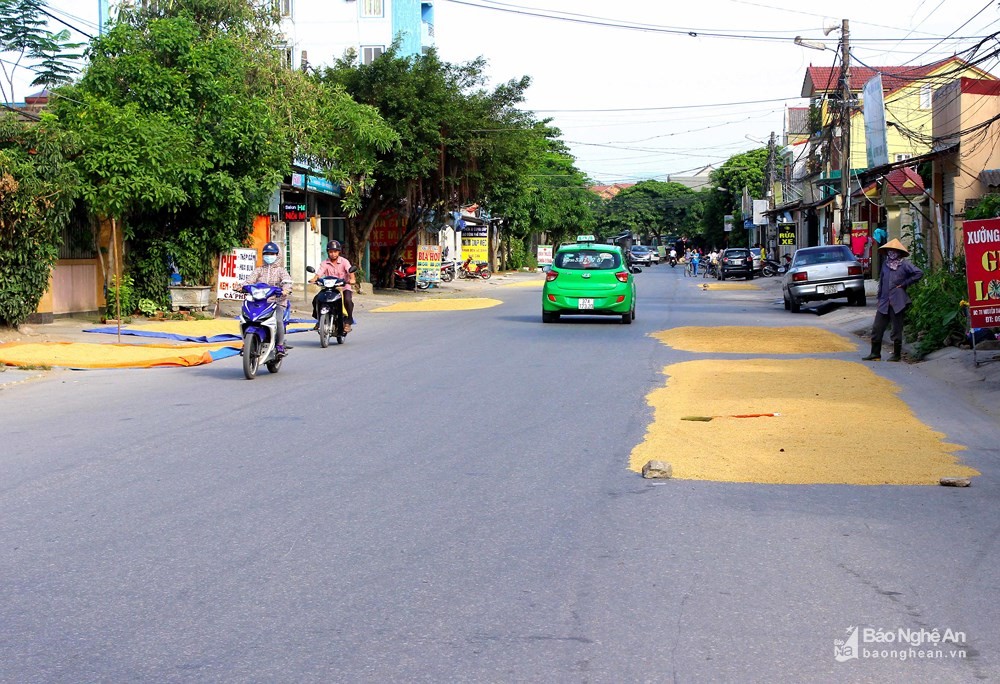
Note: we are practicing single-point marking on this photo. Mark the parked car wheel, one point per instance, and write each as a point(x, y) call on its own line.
point(788, 304)
point(794, 305)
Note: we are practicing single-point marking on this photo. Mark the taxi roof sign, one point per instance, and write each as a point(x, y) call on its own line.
point(586, 238)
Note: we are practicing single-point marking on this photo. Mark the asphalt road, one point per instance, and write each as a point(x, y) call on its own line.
point(446, 498)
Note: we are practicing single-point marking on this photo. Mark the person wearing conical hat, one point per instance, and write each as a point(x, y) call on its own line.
point(895, 276)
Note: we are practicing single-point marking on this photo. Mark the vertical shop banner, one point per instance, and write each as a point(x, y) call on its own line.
point(982, 269)
point(429, 263)
point(234, 267)
point(476, 243)
point(544, 255)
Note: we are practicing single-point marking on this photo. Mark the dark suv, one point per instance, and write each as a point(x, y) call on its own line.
point(736, 261)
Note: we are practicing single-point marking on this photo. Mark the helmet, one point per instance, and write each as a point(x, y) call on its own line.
point(270, 248)
point(332, 244)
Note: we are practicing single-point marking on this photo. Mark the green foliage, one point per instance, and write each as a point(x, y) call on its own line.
point(550, 197)
point(987, 207)
point(37, 188)
point(652, 208)
point(458, 142)
point(934, 318)
point(147, 307)
point(746, 170)
point(120, 298)
point(25, 38)
point(517, 255)
point(185, 119)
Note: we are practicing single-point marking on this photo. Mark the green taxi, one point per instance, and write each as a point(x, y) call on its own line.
point(588, 278)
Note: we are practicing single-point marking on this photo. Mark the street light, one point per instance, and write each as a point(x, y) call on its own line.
point(811, 44)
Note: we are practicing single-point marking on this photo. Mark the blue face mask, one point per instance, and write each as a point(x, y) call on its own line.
point(270, 258)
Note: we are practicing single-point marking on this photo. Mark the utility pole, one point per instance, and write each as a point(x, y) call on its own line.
point(845, 134)
point(769, 178)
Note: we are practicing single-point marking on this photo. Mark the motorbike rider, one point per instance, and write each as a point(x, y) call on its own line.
point(338, 267)
point(273, 274)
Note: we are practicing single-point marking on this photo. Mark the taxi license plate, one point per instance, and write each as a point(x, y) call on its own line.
point(585, 304)
point(828, 289)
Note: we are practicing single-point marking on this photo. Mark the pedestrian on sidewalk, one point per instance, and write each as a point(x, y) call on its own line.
point(895, 276)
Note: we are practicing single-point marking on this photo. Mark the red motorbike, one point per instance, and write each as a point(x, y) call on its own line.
point(477, 269)
point(406, 277)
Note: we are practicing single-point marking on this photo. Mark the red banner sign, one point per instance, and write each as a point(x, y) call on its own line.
point(982, 268)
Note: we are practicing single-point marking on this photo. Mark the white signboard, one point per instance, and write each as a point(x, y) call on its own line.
point(544, 255)
point(760, 207)
point(727, 222)
point(876, 145)
point(234, 267)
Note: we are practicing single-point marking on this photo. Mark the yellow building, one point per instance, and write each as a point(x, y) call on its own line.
point(908, 93)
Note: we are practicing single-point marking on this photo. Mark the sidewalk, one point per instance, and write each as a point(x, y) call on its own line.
point(951, 365)
point(71, 329)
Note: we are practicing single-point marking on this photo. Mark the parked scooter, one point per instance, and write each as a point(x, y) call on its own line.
point(330, 309)
point(447, 271)
point(259, 327)
point(773, 268)
point(405, 276)
point(478, 269)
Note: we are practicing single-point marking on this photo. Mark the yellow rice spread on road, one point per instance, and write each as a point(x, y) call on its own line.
point(731, 339)
point(729, 286)
point(839, 423)
point(455, 304)
point(88, 355)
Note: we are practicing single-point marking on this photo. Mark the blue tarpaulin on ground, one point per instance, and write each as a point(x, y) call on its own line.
point(205, 339)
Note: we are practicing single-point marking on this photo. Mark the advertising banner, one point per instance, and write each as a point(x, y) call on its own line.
point(982, 268)
point(429, 263)
point(544, 255)
point(387, 231)
point(876, 147)
point(727, 222)
point(234, 267)
point(476, 243)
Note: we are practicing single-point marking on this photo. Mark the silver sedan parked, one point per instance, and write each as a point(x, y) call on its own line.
point(820, 273)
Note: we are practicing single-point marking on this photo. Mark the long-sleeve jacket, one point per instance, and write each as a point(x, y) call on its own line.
point(892, 285)
point(272, 274)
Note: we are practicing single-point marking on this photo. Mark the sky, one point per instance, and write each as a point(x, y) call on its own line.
point(658, 88)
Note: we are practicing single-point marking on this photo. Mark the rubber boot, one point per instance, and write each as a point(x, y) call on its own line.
point(897, 352)
point(876, 354)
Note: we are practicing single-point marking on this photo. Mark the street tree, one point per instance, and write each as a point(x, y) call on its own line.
point(652, 208)
point(451, 145)
point(744, 170)
point(37, 190)
point(26, 43)
point(551, 199)
point(187, 122)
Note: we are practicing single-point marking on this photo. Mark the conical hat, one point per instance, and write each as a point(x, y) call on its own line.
point(895, 244)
